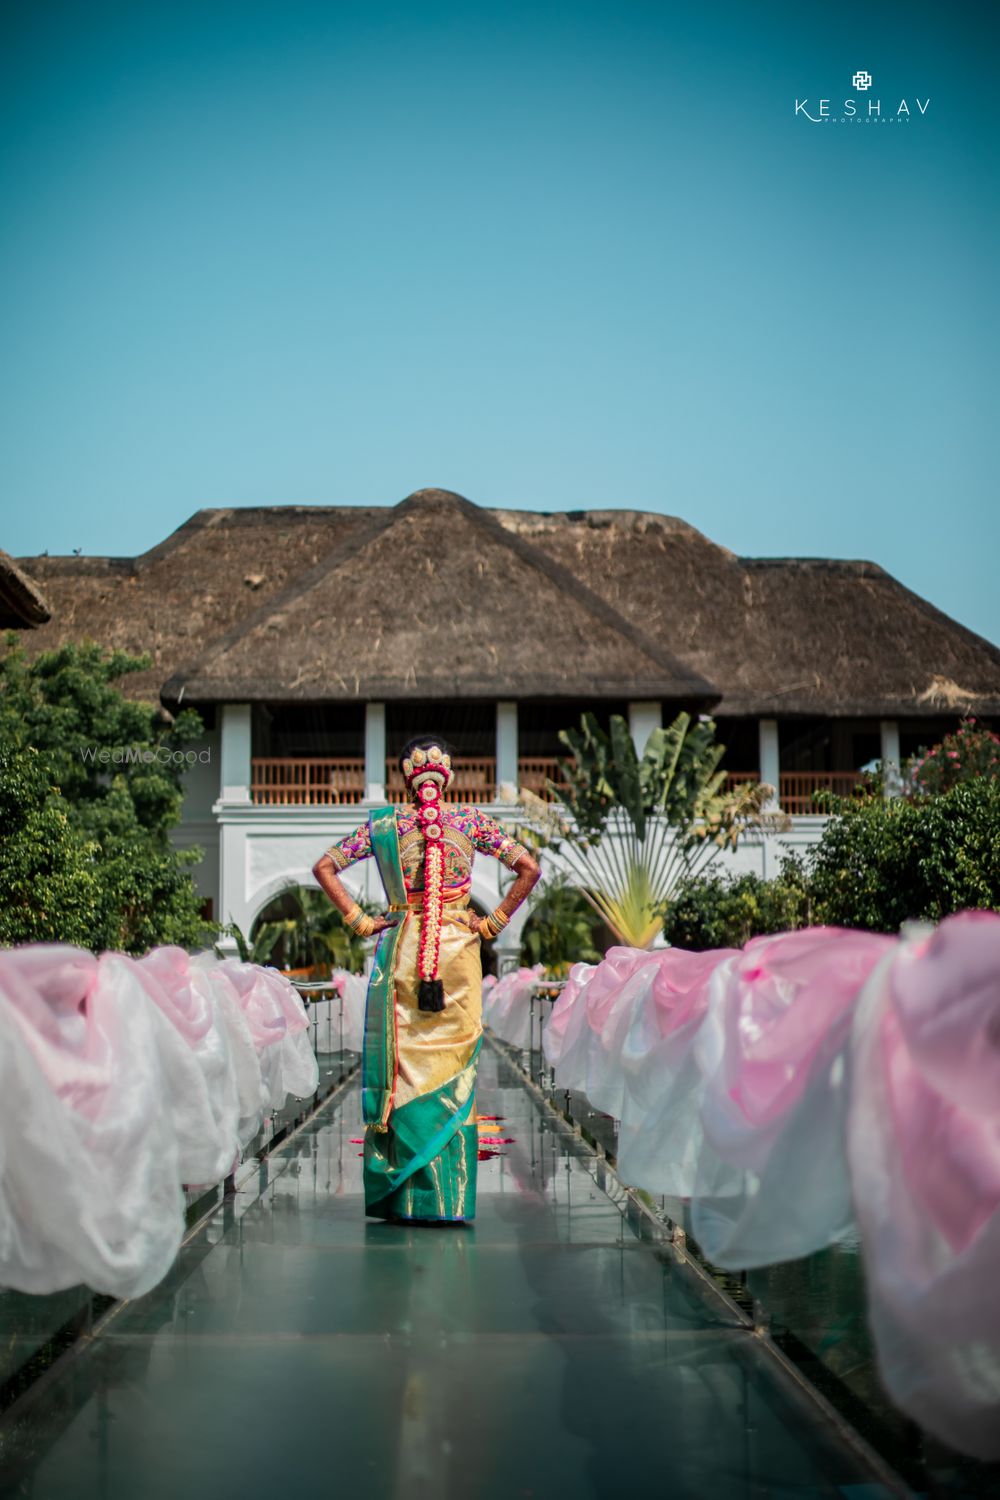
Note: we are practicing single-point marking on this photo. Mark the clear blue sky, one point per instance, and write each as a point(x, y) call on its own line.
point(551, 256)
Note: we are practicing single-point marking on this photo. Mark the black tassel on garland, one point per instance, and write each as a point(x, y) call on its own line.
point(430, 995)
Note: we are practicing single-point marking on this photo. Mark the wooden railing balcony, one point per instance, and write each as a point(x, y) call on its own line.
point(319, 781)
point(795, 793)
point(796, 788)
point(337, 781)
point(306, 781)
point(533, 772)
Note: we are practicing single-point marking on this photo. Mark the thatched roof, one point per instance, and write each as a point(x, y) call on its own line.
point(436, 597)
point(22, 605)
point(173, 600)
point(777, 636)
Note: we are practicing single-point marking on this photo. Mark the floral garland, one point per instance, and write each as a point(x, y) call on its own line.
point(427, 773)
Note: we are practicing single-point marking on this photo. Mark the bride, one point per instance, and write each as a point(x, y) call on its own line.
point(423, 1018)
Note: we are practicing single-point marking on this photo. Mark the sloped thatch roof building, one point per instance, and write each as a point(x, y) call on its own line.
point(435, 597)
point(315, 639)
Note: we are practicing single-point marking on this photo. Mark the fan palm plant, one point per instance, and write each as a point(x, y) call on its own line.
point(630, 829)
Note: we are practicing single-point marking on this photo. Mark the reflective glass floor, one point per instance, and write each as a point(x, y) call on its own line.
point(542, 1351)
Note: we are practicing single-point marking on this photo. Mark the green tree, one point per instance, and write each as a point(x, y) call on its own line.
point(117, 767)
point(49, 887)
point(716, 911)
point(880, 863)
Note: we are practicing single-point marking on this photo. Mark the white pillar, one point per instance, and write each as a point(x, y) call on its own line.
point(770, 759)
point(643, 718)
point(232, 879)
point(234, 753)
point(507, 769)
point(891, 761)
point(374, 752)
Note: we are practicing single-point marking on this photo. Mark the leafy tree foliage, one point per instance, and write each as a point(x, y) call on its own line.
point(718, 911)
point(49, 888)
point(879, 864)
point(112, 769)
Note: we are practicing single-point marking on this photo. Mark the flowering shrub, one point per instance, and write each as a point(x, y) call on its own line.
point(968, 753)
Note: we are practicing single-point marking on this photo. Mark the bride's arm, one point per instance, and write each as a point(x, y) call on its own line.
point(527, 873)
point(326, 875)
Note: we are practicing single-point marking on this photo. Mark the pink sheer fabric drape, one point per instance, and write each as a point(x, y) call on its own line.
point(121, 1080)
point(814, 1081)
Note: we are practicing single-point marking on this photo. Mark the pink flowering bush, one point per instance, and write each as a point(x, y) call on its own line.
point(969, 753)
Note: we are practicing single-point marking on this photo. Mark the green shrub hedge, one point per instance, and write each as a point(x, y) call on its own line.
point(878, 864)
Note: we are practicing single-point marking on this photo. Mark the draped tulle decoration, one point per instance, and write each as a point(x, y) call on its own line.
point(122, 1080)
point(507, 1004)
point(350, 991)
point(812, 1082)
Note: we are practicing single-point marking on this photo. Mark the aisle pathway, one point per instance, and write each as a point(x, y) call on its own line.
point(297, 1348)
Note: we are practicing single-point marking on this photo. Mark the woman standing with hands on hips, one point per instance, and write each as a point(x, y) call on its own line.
point(423, 1018)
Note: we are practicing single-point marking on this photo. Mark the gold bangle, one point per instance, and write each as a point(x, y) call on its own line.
point(358, 921)
point(492, 925)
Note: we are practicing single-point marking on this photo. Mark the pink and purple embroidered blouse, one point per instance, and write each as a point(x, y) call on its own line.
point(465, 831)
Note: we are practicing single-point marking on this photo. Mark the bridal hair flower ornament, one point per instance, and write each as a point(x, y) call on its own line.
point(428, 772)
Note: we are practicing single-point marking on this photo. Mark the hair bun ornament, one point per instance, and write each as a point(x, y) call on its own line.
point(446, 761)
point(419, 757)
point(434, 753)
point(407, 767)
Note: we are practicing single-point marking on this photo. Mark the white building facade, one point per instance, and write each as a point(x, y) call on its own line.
point(255, 849)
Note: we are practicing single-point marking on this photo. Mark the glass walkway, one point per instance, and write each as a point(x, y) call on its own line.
point(298, 1348)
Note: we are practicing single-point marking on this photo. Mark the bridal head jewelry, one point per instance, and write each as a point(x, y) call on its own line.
point(426, 763)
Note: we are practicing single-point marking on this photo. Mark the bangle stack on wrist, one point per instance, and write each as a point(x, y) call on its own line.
point(495, 923)
point(359, 922)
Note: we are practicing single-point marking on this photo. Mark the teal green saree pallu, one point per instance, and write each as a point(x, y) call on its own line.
point(418, 1067)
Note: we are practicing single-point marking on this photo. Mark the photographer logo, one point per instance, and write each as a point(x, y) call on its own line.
point(860, 112)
